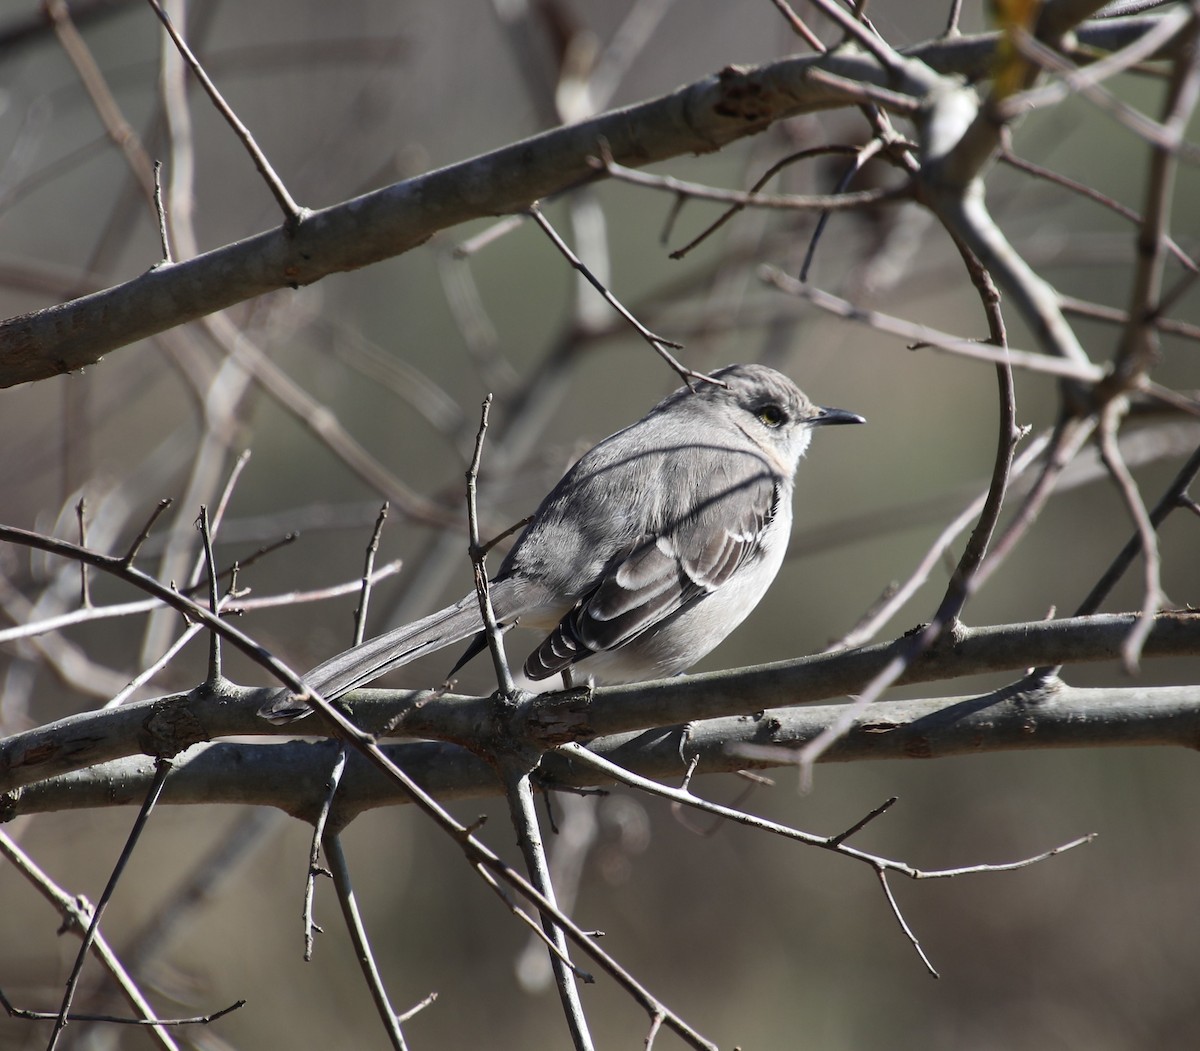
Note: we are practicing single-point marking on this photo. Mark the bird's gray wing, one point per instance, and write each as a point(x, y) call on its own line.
point(663, 573)
point(360, 665)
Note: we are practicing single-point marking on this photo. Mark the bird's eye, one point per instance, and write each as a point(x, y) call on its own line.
point(770, 414)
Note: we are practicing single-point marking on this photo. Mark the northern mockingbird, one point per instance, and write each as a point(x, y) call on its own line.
point(652, 548)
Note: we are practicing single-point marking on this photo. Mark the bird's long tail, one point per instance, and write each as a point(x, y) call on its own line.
point(356, 667)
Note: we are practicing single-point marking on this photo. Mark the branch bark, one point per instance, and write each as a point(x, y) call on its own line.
point(697, 118)
point(293, 775)
point(168, 725)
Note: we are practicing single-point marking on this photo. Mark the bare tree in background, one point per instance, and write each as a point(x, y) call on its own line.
point(281, 296)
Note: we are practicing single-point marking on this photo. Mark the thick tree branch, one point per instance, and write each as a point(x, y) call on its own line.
point(168, 725)
point(697, 118)
point(293, 775)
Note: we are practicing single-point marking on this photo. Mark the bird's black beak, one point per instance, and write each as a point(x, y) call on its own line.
point(825, 416)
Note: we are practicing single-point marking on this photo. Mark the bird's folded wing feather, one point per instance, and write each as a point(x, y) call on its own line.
point(662, 574)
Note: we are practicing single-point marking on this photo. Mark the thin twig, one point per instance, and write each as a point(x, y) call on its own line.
point(214, 600)
point(659, 344)
point(148, 673)
point(85, 595)
point(202, 564)
point(362, 945)
point(127, 609)
point(627, 42)
point(760, 182)
point(417, 1008)
point(242, 564)
point(162, 767)
point(107, 109)
point(1175, 496)
point(783, 202)
point(865, 820)
point(858, 30)
point(656, 1021)
point(1039, 171)
point(859, 161)
point(952, 29)
point(500, 228)
point(1117, 316)
point(1181, 288)
point(1152, 594)
point(141, 538)
point(77, 914)
point(315, 868)
point(164, 239)
point(293, 214)
point(201, 883)
point(523, 814)
point(914, 941)
point(360, 613)
point(495, 637)
point(535, 928)
point(1069, 437)
point(798, 27)
point(864, 94)
point(45, 1016)
point(1082, 371)
point(835, 844)
point(499, 538)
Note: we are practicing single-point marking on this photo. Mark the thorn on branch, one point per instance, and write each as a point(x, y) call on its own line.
point(160, 210)
point(85, 597)
point(861, 823)
point(360, 613)
point(417, 1008)
point(142, 537)
point(214, 602)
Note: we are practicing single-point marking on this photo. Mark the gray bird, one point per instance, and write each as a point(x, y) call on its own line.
point(652, 548)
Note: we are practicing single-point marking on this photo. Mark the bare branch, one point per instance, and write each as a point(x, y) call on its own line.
point(314, 852)
point(1152, 594)
point(76, 1016)
point(292, 212)
point(292, 776)
point(368, 577)
point(388, 222)
point(162, 769)
point(784, 202)
point(358, 935)
point(523, 813)
point(94, 737)
point(659, 344)
point(78, 915)
point(1082, 371)
point(836, 844)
